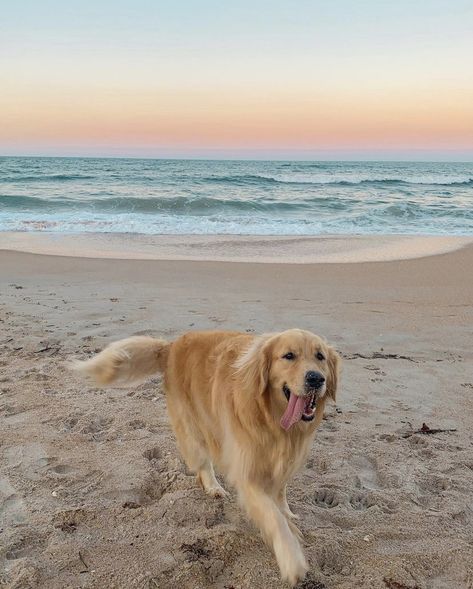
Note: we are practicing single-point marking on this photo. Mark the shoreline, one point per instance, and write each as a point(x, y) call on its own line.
point(268, 249)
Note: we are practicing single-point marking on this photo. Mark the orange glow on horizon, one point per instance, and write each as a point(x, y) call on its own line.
point(335, 114)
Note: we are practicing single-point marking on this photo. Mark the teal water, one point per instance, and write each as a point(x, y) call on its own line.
point(235, 197)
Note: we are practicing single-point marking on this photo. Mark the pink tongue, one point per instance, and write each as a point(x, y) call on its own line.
point(295, 409)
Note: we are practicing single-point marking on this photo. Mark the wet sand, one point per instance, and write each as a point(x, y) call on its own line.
point(234, 248)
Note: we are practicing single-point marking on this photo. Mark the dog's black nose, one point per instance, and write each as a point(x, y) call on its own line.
point(314, 380)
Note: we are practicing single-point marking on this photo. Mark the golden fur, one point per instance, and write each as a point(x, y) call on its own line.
point(225, 399)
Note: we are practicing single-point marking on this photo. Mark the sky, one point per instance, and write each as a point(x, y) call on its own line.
point(310, 79)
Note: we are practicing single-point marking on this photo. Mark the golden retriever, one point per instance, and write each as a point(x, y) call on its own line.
point(247, 404)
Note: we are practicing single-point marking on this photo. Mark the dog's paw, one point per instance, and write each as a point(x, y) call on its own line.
point(217, 492)
point(291, 560)
point(294, 571)
point(212, 487)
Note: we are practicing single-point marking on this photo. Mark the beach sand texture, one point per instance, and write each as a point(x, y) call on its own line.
point(93, 493)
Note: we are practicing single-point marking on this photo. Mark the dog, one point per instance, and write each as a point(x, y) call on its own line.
point(247, 404)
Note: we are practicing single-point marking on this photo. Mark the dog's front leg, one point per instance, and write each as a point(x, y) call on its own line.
point(264, 512)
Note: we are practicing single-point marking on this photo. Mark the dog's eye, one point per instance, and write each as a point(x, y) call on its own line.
point(320, 356)
point(289, 356)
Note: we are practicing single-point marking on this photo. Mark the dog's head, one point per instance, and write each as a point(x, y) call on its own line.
point(294, 369)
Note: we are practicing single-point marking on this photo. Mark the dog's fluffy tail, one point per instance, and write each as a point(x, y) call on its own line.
point(127, 361)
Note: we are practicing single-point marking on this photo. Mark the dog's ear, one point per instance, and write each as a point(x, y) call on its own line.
point(252, 367)
point(333, 362)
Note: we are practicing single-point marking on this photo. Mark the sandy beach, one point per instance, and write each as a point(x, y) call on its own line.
point(93, 493)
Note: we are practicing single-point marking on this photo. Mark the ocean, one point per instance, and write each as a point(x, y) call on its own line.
point(235, 197)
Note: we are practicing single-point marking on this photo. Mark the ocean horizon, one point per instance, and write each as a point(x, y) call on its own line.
point(239, 197)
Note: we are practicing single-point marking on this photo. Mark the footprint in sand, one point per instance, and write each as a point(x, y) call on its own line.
point(331, 559)
point(63, 469)
point(69, 424)
point(68, 521)
point(132, 496)
point(434, 484)
point(418, 442)
point(330, 426)
point(155, 487)
point(137, 424)
point(96, 427)
point(367, 476)
point(26, 546)
point(328, 498)
point(12, 509)
point(29, 459)
point(387, 437)
point(361, 501)
point(152, 454)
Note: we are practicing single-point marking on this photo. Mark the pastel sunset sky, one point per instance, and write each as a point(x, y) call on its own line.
point(352, 79)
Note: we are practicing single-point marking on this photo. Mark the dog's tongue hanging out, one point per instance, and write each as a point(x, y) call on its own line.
point(294, 410)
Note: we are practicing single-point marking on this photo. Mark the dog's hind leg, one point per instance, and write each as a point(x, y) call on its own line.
point(283, 504)
point(206, 477)
point(281, 501)
point(194, 452)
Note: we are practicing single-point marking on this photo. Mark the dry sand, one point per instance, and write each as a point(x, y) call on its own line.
point(93, 493)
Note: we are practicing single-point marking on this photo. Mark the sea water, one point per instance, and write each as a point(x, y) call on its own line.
point(235, 197)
